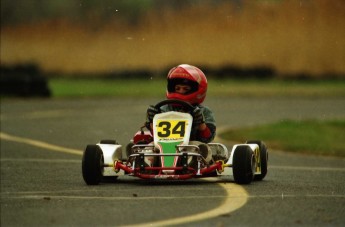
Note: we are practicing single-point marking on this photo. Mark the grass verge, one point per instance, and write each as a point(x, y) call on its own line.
point(310, 136)
point(63, 87)
point(76, 88)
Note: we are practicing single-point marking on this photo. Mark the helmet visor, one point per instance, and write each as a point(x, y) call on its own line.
point(178, 81)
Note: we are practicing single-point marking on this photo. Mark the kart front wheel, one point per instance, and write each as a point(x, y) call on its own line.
point(92, 165)
point(243, 165)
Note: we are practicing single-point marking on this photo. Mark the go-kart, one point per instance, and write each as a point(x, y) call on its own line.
point(168, 154)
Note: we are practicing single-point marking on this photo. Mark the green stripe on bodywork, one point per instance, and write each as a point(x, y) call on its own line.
point(169, 148)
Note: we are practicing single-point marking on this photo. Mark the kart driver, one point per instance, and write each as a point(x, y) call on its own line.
point(188, 83)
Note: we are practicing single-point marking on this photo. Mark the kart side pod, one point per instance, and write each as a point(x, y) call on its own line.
point(111, 153)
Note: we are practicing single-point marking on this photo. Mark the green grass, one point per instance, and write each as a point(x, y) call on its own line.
point(106, 88)
point(310, 136)
point(278, 88)
point(142, 88)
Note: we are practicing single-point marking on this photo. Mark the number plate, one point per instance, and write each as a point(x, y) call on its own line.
point(171, 129)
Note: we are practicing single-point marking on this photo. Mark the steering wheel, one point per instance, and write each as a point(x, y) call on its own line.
point(184, 104)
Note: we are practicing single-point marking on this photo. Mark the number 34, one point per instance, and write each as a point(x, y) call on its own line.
point(171, 129)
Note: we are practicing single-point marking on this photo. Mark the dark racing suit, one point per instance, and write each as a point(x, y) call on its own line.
point(196, 135)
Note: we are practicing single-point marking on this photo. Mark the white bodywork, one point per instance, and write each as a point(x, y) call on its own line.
point(252, 146)
point(111, 153)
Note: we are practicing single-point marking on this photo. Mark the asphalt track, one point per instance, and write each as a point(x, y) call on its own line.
point(41, 182)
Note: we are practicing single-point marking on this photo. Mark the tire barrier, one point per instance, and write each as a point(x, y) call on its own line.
point(23, 81)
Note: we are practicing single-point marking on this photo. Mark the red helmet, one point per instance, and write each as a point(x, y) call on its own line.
point(188, 75)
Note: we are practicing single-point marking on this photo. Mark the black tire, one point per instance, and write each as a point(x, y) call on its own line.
point(263, 159)
point(243, 165)
point(92, 165)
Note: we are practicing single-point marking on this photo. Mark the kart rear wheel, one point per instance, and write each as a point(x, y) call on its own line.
point(263, 158)
point(243, 164)
point(92, 165)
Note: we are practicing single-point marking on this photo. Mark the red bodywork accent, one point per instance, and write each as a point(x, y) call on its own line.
point(136, 172)
point(143, 137)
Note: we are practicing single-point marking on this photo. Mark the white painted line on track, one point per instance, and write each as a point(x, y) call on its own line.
point(309, 168)
point(203, 197)
point(235, 196)
point(299, 196)
point(116, 198)
point(234, 199)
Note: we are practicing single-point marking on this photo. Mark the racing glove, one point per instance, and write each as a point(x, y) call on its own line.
point(198, 116)
point(151, 112)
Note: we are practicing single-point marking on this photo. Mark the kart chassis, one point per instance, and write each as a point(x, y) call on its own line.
point(171, 148)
